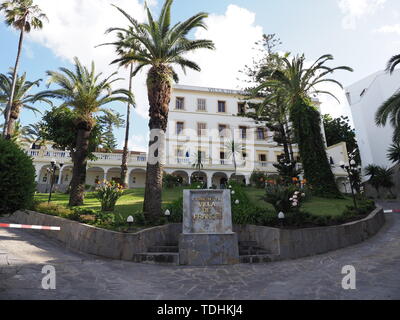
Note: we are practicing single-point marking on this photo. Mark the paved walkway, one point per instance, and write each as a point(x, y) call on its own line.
point(81, 276)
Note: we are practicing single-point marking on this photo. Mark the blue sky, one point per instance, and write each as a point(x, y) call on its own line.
point(362, 34)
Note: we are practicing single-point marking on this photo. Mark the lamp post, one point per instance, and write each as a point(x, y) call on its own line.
point(281, 217)
point(167, 214)
point(130, 221)
point(351, 168)
point(52, 170)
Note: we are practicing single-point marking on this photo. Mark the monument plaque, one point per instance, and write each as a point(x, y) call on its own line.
point(207, 237)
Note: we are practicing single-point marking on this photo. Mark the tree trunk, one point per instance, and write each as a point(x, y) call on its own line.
point(79, 158)
point(159, 87)
point(317, 170)
point(285, 142)
point(7, 113)
point(13, 118)
point(124, 165)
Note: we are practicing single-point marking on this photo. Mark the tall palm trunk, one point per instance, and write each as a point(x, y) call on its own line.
point(159, 87)
point(285, 142)
point(79, 158)
point(13, 118)
point(124, 165)
point(8, 130)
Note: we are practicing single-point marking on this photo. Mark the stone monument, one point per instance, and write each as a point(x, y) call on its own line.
point(207, 237)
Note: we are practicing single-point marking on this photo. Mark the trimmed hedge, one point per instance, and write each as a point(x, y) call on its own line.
point(17, 178)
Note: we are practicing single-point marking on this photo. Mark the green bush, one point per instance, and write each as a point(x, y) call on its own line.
point(258, 179)
point(284, 198)
point(108, 194)
point(17, 178)
point(176, 210)
point(170, 181)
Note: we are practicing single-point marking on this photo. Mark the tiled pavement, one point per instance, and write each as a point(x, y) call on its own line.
point(81, 276)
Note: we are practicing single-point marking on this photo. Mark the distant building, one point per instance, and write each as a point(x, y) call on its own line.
point(365, 97)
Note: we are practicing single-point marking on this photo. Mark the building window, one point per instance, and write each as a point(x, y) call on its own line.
point(281, 158)
point(133, 179)
point(222, 128)
point(244, 155)
point(201, 129)
point(263, 157)
point(201, 105)
point(243, 132)
point(202, 155)
point(222, 155)
point(241, 108)
point(260, 134)
point(221, 106)
point(179, 153)
point(179, 127)
point(180, 103)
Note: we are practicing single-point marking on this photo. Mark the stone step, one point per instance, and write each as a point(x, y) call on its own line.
point(248, 244)
point(157, 258)
point(251, 252)
point(263, 258)
point(163, 249)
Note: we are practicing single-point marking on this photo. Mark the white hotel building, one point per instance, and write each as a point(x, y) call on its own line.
point(200, 120)
point(365, 97)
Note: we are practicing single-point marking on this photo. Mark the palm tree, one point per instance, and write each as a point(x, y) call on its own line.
point(85, 93)
point(22, 98)
point(34, 134)
point(234, 149)
point(394, 153)
point(23, 16)
point(299, 85)
point(380, 177)
point(198, 163)
point(123, 48)
point(391, 107)
point(160, 46)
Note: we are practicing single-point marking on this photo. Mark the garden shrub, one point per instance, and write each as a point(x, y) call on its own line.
point(170, 181)
point(284, 198)
point(17, 178)
point(258, 179)
point(176, 210)
point(108, 194)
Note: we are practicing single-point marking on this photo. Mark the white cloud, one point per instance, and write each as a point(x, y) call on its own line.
point(138, 143)
point(389, 29)
point(77, 27)
point(353, 10)
point(234, 35)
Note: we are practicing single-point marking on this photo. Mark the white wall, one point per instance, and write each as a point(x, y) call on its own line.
point(373, 141)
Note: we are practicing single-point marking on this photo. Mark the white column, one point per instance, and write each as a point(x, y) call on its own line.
point(209, 179)
point(60, 176)
point(247, 180)
point(105, 172)
point(38, 169)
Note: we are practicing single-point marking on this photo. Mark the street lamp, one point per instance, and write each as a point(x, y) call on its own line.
point(281, 217)
point(130, 221)
point(167, 214)
point(53, 163)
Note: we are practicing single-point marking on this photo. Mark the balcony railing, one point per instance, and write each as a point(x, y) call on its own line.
point(103, 157)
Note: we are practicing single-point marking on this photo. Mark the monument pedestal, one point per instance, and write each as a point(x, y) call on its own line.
point(208, 249)
point(207, 237)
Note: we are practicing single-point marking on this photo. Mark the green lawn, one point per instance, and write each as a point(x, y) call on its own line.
point(132, 201)
point(316, 206)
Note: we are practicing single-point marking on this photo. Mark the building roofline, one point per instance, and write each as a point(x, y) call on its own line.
point(209, 89)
